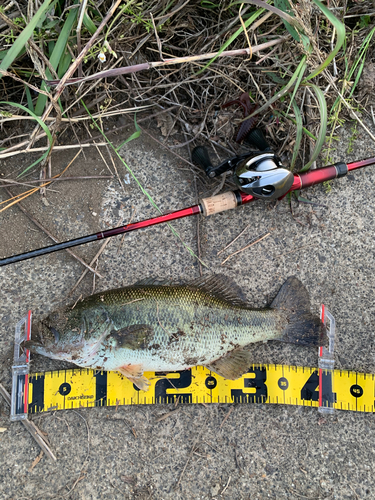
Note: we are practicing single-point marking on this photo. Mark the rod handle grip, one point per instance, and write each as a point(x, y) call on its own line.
point(219, 203)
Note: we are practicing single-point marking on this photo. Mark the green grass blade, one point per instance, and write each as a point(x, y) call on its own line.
point(263, 5)
point(89, 24)
point(299, 78)
point(56, 56)
point(231, 39)
point(297, 144)
point(293, 120)
point(135, 135)
point(42, 124)
point(29, 99)
point(285, 7)
point(340, 30)
point(323, 126)
point(283, 91)
point(3, 53)
point(64, 64)
point(25, 35)
point(360, 59)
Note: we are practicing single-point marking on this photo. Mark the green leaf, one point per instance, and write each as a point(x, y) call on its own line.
point(307, 132)
point(360, 59)
point(299, 78)
point(304, 200)
point(285, 7)
point(25, 35)
point(29, 98)
point(89, 24)
point(323, 126)
point(3, 53)
point(297, 144)
point(64, 64)
point(56, 56)
point(275, 78)
point(283, 91)
point(231, 39)
point(287, 18)
point(364, 21)
point(340, 30)
point(135, 135)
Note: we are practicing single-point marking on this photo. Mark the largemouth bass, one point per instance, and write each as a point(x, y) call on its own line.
point(162, 327)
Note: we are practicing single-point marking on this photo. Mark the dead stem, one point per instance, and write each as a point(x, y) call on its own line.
point(245, 248)
point(36, 434)
point(36, 181)
point(235, 239)
point(190, 454)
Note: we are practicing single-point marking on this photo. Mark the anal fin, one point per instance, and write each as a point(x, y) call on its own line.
point(135, 374)
point(142, 382)
point(232, 365)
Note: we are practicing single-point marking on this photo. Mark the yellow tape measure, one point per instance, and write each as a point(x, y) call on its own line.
point(274, 384)
point(323, 387)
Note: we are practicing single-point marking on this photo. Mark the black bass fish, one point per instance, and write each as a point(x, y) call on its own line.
point(162, 327)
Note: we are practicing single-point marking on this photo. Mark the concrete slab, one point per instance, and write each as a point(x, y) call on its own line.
point(260, 452)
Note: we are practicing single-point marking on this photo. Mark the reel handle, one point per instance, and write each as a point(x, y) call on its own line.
point(201, 157)
point(256, 138)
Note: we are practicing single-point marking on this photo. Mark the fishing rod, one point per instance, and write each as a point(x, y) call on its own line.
point(259, 175)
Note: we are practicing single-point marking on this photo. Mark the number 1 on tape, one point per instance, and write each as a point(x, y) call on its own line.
point(20, 370)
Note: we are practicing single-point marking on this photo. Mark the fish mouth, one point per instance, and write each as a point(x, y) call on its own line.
point(40, 341)
point(31, 344)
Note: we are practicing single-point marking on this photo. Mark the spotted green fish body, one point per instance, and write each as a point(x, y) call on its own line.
point(158, 327)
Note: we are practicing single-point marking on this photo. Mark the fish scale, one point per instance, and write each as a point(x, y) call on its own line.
point(188, 324)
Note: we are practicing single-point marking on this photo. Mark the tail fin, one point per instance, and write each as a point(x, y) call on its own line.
point(303, 327)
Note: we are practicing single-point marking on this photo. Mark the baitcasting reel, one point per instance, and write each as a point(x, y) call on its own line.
point(260, 174)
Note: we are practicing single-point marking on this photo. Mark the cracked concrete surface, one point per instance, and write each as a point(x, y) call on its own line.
point(261, 451)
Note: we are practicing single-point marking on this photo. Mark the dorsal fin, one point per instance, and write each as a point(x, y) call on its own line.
point(221, 287)
point(155, 282)
point(215, 285)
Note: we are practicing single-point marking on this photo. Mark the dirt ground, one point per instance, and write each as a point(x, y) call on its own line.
point(260, 451)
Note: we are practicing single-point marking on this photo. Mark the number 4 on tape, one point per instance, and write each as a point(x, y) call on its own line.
point(326, 364)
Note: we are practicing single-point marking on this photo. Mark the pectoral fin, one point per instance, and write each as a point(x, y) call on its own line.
point(232, 365)
point(133, 336)
point(135, 374)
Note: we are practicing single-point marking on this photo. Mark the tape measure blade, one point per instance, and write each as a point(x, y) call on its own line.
point(271, 384)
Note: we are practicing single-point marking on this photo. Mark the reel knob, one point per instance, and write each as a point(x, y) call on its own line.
point(201, 157)
point(256, 138)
